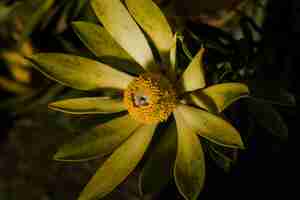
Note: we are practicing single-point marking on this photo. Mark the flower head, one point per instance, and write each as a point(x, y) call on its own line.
point(149, 97)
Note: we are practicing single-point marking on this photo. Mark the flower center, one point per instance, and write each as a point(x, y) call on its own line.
point(150, 98)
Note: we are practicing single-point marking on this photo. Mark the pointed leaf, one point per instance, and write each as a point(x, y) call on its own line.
point(211, 126)
point(268, 118)
point(80, 73)
point(117, 21)
point(200, 99)
point(88, 105)
point(119, 165)
point(98, 142)
point(189, 168)
point(158, 169)
point(173, 53)
point(100, 42)
point(149, 16)
point(222, 94)
point(193, 77)
point(173, 59)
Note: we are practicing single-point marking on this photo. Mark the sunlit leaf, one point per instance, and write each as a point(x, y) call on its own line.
point(99, 141)
point(118, 22)
point(158, 169)
point(189, 168)
point(119, 165)
point(173, 53)
point(221, 94)
point(268, 117)
point(80, 73)
point(193, 77)
point(210, 126)
point(149, 16)
point(203, 101)
point(88, 105)
point(173, 58)
point(99, 41)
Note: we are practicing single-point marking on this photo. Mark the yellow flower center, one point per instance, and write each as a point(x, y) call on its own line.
point(150, 98)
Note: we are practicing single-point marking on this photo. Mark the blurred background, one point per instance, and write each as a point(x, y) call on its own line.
point(247, 40)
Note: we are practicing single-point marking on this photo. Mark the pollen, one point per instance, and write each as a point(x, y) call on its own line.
point(150, 98)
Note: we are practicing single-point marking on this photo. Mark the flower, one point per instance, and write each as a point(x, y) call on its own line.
point(152, 92)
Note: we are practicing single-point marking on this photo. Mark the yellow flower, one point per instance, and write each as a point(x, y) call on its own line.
point(151, 94)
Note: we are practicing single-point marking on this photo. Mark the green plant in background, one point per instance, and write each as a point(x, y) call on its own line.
point(19, 21)
point(244, 54)
point(152, 90)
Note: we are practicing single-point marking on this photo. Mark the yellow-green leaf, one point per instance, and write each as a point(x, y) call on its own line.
point(173, 59)
point(149, 16)
point(189, 170)
point(193, 77)
point(223, 94)
point(100, 42)
point(99, 141)
point(211, 126)
point(89, 105)
point(119, 165)
point(201, 100)
point(173, 53)
point(80, 73)
point(158, 169)
point(121, 26)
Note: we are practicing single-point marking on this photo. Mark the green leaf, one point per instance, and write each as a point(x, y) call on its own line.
point(210, 126)
point(100, 42)
point(189, 170)
point(221, 94)
point(119, 165)
point(149, 16)
point(79, 6)
point(193, 77)
point(89, 105)
point(80, 73)
point(36, 17)
point(99, 141)
point(158, 169)
point(118, 22)
point(268, 118)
